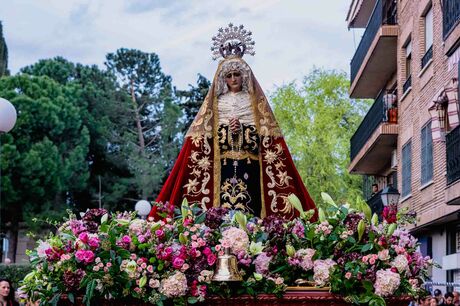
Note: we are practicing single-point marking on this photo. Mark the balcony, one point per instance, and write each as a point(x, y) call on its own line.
point(375, 58)
point(373, 142)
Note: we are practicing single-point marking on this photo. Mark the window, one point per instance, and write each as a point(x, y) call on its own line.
point(408, 51)
point(406, 169)
point(408, 59)
point(427, 154)
point(428, 29)
point(428, 47)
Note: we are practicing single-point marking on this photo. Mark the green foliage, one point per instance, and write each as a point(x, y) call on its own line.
point(3, 54)
point(318, 120)
point(104, 111)
point(15, 272)
point(152, 135)
point(43, 158)
point(191, 99)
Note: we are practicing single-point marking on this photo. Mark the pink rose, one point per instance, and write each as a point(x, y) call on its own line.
point(93, 242)
point(126, 239)
point(83, 237)
point(211, 259)
point(178, 262)
point(348, 275)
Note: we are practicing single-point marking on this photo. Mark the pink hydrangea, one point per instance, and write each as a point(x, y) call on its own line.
point(262, 262)
point(174, 285)
point(236, 238)
point(305, 258)
point(401, 263)
point(387, 282)
point(321, 271)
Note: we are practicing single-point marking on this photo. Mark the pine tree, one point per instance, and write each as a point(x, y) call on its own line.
point(3, 54)
point(151, 141)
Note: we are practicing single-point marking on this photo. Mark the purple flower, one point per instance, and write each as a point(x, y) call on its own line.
point(298, 229)
point(72, 280)
point(126, 239)
point(94, 214)
point(214, 217)
point(77, 227)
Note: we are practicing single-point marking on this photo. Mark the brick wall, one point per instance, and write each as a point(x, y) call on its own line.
point(429, 200)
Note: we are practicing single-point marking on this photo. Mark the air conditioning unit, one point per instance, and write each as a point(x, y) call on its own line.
point(394, 160)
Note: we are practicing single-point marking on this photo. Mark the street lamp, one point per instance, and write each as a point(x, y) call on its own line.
point(390, 196)
point(143, 208)
point(8, 117)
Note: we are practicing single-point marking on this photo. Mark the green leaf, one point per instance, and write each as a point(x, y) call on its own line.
point(192, 300)
point(143, 281)
point(71, 297)
point(391, 229)
point(294, 200)
point(321, 215)
point(327, 199)
point(361, 228)
point(54, 301)
point(367, 247)
point(200, 219)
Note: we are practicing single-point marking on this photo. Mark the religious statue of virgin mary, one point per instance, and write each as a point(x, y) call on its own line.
point(234, 154)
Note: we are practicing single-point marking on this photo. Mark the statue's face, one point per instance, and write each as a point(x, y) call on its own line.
point(234, 81)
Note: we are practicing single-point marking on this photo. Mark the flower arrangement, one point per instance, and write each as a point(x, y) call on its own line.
point(117, 256)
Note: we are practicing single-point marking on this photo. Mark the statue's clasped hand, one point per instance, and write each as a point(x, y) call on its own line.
point(235, 125)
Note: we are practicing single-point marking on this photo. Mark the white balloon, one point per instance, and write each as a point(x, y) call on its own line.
point(143, 208)
point(8, 116)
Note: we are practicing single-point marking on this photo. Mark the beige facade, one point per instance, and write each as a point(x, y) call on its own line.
point(424, 39)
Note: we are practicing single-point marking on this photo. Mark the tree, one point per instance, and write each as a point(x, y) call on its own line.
point(191, 99)
point(318, 120)
point(104, 111)
point(151, 142)
point(43, 157)
point(3, 54)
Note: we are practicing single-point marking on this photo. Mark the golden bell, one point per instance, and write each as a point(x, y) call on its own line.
point(226, 268)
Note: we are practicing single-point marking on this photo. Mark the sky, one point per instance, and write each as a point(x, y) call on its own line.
point(292, 36)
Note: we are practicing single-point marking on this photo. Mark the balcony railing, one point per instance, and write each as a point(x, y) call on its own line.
point(373, 118)
point(428, 55)
point(453, 155)
point(450, 16)
point(382, 14)
point(407, 84)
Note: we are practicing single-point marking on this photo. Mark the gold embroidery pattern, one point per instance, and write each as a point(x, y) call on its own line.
point(268, 125)
point(250, 137)
point(278, 177)
point(235, 195)
point(200, 163)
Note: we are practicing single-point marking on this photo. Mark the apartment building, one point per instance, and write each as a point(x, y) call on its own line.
point(408, 62)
